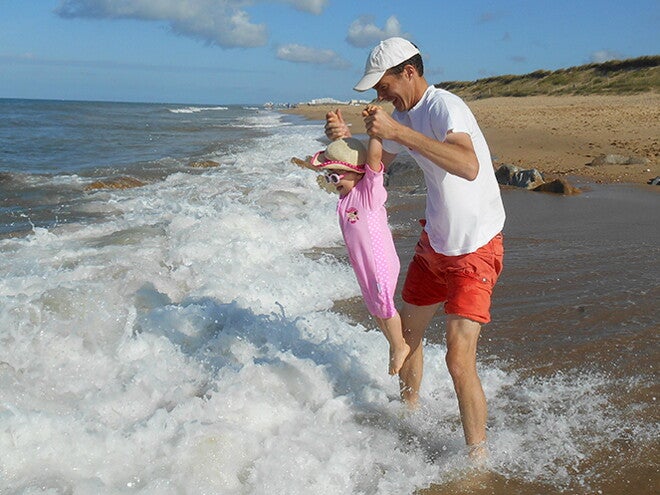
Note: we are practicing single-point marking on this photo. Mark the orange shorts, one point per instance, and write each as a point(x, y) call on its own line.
point(464, 283)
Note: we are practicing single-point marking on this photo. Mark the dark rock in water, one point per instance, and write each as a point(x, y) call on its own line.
point(204, 164)
point(505, 173)
point(118, 183)
point(617, 160)
point(655, 181)
point(558, 186)
point(5, 177)
point(529, 179)
point(404, 172)
point(510, 175)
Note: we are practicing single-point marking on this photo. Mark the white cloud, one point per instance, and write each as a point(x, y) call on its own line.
point(364, 33)
point(312, 6)
point(221, 22)
point(306, 55)
point(601, 56)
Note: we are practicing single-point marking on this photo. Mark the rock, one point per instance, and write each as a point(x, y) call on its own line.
point(204, 164)
point(118, 183)
point(655, 181)
point(558, 186)
point(505, 173)
point(510, 175)
point(529, 179)
point(617, 160)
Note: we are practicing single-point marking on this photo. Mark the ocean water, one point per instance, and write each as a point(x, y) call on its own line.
point(203, 333)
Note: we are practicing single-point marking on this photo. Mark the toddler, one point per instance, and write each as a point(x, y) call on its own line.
point(357, 175)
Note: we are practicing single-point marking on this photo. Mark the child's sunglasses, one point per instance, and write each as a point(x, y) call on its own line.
point(334, 178)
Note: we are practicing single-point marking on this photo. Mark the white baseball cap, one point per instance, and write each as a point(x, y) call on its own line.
point(387, 54)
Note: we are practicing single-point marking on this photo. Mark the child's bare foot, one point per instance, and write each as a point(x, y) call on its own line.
point(397, 357)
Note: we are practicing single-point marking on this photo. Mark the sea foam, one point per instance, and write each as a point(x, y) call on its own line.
point(196, 109)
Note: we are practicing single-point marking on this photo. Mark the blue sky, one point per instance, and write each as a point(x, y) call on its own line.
point(256, 51)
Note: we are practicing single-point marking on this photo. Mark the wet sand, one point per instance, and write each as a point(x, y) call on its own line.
point(559, 135)
point(577, 297)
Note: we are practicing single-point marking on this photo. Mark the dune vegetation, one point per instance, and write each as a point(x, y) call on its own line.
point(618, 77)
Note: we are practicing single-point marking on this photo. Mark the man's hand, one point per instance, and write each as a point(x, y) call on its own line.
point(335, 126)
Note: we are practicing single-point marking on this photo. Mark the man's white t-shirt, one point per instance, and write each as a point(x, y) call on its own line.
point(461, 215)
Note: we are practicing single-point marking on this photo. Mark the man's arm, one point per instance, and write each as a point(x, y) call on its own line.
point(455, 155)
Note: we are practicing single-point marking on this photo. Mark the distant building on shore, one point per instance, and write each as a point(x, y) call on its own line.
point(315, 101)
point(332, 101)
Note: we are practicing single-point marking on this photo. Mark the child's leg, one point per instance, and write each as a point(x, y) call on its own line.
point(399, 349)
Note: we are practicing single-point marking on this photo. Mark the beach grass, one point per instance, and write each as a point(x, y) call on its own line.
point(615, 77)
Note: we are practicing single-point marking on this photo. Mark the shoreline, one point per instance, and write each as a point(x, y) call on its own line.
point(558, 135)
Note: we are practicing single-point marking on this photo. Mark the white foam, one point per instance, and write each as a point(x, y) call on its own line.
point(196, 109)
point(261, 120)
point(185, 344)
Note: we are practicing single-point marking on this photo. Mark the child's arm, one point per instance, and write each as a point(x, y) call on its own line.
point(375, 146)
point(375, 154)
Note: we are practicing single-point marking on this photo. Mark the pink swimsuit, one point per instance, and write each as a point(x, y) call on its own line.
point(363, 222)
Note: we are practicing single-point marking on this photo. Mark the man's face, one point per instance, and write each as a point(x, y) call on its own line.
point(396, 88)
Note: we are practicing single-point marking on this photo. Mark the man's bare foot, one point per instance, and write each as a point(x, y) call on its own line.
point(409, 396)
point(397, 357)
point(478, 453)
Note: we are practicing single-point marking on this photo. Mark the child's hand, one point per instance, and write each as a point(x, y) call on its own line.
point(370, 109)
point(380, 124)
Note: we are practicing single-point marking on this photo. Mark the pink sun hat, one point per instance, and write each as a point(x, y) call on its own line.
point(343, 154)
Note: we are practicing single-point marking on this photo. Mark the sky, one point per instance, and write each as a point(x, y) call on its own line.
point(291, 51)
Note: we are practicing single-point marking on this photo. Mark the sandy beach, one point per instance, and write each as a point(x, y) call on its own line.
point(560, 135)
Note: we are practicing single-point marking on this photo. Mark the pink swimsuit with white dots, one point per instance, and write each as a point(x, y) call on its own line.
point(363, 222)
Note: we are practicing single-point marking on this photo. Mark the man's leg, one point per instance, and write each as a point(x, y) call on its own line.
point(415, 320)
point(462, 336)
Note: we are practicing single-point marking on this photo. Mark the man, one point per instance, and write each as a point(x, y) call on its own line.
point(459, 255)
